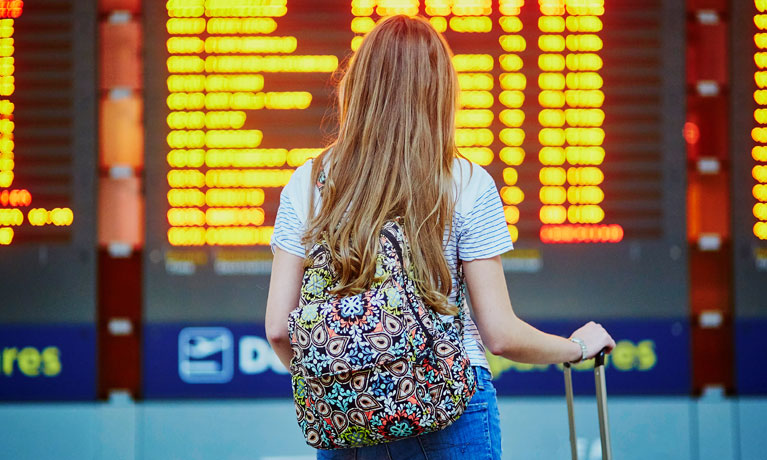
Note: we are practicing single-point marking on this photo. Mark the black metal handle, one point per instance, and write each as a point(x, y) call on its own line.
point(599, 359)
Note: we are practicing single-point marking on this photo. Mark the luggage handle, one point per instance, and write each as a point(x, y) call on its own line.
point(601, 390)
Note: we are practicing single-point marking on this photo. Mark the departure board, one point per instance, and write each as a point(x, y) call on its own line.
point(47, 161)
point(575, 107)
point(748, 150)
point(749, 158)
point(44, 213)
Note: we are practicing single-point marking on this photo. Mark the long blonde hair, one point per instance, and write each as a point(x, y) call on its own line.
point(393, 157)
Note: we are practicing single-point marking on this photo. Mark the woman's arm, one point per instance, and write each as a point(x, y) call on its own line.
point(508, 336)
point(284, 291)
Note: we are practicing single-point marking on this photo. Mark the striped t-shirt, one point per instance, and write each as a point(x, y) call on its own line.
point(479, 229)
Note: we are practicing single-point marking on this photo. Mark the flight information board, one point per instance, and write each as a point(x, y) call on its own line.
point(749, 157)
point(43, 213)
point(47, 204)
point(748, 150)
point(575, 108)
point(47, 161)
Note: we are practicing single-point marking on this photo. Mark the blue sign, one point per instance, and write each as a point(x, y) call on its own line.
point(235, 360)
point(47, 362)
point(211, 361)
point(652, 357)
point(751, 356)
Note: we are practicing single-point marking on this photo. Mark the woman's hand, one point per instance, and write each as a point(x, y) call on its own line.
point(595, 337)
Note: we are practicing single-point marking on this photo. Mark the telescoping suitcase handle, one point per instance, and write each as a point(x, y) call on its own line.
point(604, 426)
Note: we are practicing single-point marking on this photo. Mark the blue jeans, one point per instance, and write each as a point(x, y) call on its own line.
point(476, 435)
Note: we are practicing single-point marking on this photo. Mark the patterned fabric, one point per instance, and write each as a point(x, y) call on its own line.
point(377, 366)
point(475, 436)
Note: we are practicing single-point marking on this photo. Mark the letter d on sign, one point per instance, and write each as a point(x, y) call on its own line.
point(256, 356)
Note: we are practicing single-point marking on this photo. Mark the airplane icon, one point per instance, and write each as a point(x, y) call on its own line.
point(205, 355)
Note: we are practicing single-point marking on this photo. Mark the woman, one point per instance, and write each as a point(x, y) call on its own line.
point(395, 155)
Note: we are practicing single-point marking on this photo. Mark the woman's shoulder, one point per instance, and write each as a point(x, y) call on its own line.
point(297, 192)
point(300, 179)
point(304, 172)
point(471, 179)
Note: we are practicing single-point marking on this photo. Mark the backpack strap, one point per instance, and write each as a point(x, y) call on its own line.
point(460, 296)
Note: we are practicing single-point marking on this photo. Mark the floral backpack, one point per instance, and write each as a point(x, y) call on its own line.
point(378, 366)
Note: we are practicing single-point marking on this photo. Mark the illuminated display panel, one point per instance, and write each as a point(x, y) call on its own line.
point(747, 147)
point(224, 63)
point(47, 162)
point(759, 132)
point(749, 158)
point(34, 200)
point(571, 106)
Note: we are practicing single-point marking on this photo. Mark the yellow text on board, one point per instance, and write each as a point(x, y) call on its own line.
point(30, 362)
point(627, 356)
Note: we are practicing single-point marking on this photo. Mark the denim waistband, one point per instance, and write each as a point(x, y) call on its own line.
point(483, 377)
